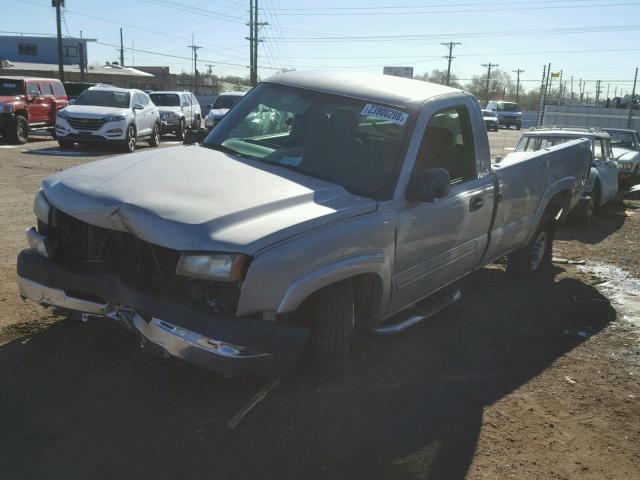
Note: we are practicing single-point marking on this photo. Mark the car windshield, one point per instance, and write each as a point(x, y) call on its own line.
point(508, 107)
point(227, 101)
point(11, 87)
point(535, 143)
point(622, 140)
point(165, 99)
point(104, 98)
point(353, 143)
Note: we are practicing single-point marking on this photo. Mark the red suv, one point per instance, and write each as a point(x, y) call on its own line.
point(27, 102)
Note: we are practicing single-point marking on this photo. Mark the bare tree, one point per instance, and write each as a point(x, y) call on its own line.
point(439, 76)
point(501, 86)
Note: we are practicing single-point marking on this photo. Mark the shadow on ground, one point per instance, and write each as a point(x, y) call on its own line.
point(606, 221)
point(81, 401)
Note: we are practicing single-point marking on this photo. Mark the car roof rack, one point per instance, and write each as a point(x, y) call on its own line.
point(564, 127)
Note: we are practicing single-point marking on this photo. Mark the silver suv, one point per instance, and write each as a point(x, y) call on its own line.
point(178, 111)
point(109, 115)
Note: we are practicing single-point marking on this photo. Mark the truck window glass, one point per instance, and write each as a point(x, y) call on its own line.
point(104, 98)
point(226, 101)
point(11, 87)
point(165, 99)
point(342, 140)
point(448, 143)
point(598, 149)
point(58, 89)
point(46, 89)
point(34, 91)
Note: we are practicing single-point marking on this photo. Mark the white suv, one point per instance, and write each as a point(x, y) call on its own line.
point(109, 115)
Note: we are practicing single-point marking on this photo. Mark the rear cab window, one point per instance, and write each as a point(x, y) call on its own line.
point(9, 86)
point(46, 89)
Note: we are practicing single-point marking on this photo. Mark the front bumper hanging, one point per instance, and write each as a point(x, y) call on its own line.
point(230, 345)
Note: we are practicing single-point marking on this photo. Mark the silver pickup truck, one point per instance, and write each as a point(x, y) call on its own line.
point(365, 198)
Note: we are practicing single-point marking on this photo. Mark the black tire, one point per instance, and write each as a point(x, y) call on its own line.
point(535, 257)
point(518, 126)
point(586, 210)
point(332, 328)
point(129, 144)
point(65, 143)
point(154, 139)
point(180, 130)
point(17, 130)
point(596, 195)
point(196, 123)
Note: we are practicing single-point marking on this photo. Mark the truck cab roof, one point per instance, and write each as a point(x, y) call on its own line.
point(560, 131)
point(401, 92)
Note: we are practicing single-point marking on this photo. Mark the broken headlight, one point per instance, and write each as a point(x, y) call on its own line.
point(225, 267)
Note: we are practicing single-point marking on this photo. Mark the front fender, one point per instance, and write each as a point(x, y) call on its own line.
point(342, 269)
point(565, 188)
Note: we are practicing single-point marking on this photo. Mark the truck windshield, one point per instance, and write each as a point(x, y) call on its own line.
point(354, 143)
point(10, 87)
point(104, 98)
point(227, 101)
point(165, 99)
point(623, 140)
point(508, 107)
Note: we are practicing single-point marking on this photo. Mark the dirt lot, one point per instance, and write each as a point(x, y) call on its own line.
point(535, 380)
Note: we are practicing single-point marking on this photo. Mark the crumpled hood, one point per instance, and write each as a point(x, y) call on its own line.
point(194, 198)
point(217, 112)
point(625, 155)
point(92, 111)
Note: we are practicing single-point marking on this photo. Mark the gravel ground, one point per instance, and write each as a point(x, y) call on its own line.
point(529, 380)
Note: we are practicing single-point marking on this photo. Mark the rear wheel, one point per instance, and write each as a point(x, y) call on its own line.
point(17, 130)
point(332, 328)
point(586, 211)
point(535, 257)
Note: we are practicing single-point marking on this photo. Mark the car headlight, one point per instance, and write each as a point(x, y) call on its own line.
point(41, 207)
point(7, 108)
point(226, 267)
point(113, 118)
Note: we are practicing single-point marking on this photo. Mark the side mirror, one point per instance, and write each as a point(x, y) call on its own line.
point(210, 106)
point(428, 184)
point(191, 137)
point(71, 101)
point(138, 106)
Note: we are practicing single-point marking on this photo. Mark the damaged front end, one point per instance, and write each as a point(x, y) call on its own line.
point(180, 303)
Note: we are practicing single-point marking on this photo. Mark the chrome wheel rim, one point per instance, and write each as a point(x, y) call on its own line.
point(20, 130)
point(538, 250)
point(131, 140)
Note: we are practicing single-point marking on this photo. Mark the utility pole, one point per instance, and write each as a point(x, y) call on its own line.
point(488, 66)
point(58, 4)
point(450, 57)
point(572, 87)
point(633, 96)
point(252, 80)
point(255, 28)
point(194, 49)
point(518, 72)
point(598, 90)
point(121, 49)
point(542, 91)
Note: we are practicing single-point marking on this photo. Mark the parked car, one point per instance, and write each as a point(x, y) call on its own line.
point(29, 103)
point(109, 115)
point(225, 102)
point(625, 144)
point(508, 113)
point(602, 184)
point(491, 120)
point(178, 111)
point(237, 253)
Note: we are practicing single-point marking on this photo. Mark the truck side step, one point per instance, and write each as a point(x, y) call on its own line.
point(423, 310)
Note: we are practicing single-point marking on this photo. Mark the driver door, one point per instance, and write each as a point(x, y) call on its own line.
point(38, 109)
point(440, 241)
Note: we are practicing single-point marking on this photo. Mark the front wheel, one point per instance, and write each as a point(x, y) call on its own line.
point(129, 144)
point(332, 328)
point(181, 129)
point(154, 139)
point(535, 257)
point(17, 130)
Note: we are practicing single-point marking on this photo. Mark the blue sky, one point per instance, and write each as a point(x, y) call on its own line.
point(592, 39)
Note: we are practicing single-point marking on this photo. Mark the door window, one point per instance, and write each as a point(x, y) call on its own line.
point(194, 100)
point(185, 101)
point(34, 91)
point(598, 149)
point(46, 89)
point(448, 144)
point(137, 98)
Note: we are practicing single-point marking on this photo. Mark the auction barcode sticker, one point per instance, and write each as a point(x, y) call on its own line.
point(391, 114)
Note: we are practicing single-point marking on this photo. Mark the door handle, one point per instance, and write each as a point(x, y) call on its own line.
point(476, 204)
